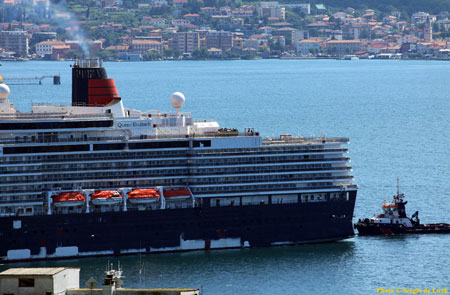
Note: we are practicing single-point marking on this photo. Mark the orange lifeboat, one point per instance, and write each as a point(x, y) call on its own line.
point(106, 198)
point(177, 194)
point(68, 199)
point(143, 196)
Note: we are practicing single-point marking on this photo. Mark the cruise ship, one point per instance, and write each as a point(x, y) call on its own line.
point(95, 178)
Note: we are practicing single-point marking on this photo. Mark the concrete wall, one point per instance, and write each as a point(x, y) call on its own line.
point(66, 279)
point(42, 285)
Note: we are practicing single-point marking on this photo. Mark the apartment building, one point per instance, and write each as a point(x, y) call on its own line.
point(16, 41)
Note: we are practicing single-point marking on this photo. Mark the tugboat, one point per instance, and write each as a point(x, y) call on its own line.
point(393, 221)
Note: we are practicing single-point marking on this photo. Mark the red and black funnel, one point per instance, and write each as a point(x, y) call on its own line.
point(90, 84)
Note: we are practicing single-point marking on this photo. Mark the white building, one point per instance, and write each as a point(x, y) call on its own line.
point(108, 3)
point(180, 22)
point(159, 2)
point(300, 35)
point(45, 280)
point(305, 8)
point(158, 21)
point(141, 46)
point(306, 47)
point(421, 17)
point(272, 11)
point(46, 47)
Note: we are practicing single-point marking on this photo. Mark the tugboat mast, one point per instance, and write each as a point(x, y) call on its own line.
point(398, 186)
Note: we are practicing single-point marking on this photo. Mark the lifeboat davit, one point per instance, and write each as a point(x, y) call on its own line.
point(177, 194)
point(68, 199)
point(144, 196)
point(106, 198)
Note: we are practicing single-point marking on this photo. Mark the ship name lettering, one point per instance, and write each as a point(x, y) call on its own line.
point(133, 124)
point(120, 125)
point(140, 124)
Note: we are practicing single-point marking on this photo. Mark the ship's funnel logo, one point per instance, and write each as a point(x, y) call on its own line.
point(90, 84)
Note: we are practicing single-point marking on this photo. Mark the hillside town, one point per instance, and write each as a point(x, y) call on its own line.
point(226, 29)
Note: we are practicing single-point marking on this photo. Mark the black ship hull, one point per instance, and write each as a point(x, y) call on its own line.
point(117, 233)
point(374, 229)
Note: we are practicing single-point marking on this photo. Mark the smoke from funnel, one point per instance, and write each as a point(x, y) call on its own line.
point(64, 17)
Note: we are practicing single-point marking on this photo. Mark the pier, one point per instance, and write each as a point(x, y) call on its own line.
point(66, 280)
point(32, 80)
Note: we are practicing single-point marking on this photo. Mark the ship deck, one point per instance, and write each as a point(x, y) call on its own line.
point(267, 141)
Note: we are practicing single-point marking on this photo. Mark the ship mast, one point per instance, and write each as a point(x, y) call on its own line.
point(398, 186)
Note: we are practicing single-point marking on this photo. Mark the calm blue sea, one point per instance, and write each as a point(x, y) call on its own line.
point(396, 114)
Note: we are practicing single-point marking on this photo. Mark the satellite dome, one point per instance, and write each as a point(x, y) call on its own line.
point(177, 100)
point(4, 91)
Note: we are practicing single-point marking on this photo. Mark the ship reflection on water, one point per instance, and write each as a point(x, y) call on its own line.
point(214, 270)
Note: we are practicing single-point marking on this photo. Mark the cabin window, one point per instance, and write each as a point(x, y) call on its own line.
point(26, 282)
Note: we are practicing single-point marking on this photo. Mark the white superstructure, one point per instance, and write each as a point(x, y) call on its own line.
point(55, 149)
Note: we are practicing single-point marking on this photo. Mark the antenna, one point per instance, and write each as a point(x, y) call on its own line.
point(398, 186)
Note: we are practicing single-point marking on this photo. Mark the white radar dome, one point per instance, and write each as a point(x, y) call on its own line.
point(177, 100)
point(4, 91)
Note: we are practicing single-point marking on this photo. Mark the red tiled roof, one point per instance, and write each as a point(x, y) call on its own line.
point(51, 42)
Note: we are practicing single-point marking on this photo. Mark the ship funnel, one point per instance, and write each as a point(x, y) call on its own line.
point(90, 84)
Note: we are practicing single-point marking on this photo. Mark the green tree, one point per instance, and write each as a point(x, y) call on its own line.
point(152, 55)
point(248, 55)
point(200, 53)
point(296, 20)
point(313, 51)
point(436, 28)
point(276, 45)
point(193, 6)
point(169, 52)
point(72, 53)
point(107, 54)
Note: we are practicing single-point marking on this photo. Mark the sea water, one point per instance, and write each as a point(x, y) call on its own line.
point(396, 114)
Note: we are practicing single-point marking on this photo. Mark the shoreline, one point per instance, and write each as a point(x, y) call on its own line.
point(237, 59)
